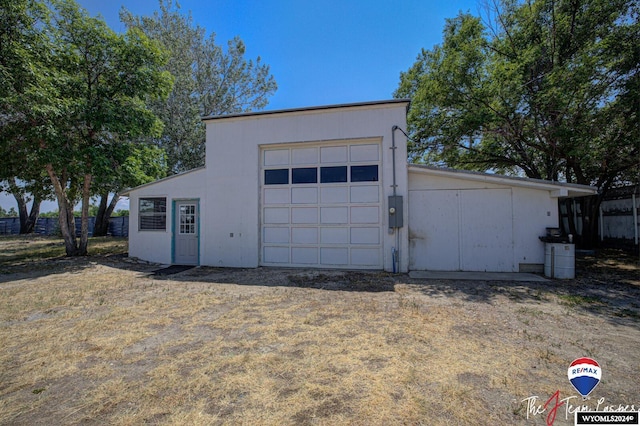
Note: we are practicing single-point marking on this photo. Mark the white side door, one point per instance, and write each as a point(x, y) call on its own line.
point(186, 232)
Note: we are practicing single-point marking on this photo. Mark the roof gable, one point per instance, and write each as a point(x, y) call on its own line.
point(155, 182)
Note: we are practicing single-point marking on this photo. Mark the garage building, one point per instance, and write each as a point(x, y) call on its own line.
point(330, 187)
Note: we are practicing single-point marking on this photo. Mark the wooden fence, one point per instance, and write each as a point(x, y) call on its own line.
point(618, 218)
point(118, 226)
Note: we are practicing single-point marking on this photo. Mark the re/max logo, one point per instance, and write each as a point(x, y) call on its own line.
point(575, 371)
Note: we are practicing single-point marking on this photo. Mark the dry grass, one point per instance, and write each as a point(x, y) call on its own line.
point(94, 341)
point(31, 250)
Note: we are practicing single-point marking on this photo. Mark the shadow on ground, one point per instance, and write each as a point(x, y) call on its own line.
point(606, 285)
point(332, 280)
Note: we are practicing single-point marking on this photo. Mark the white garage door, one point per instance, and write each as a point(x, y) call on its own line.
point(461, 230)
point(321, 206)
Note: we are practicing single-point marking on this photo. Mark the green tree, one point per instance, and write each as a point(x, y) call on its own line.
point(105, 81)
point(87, 92)
point(24, 104)
point(208, 80)
point(32, 191)
point(124, 165)
point(548, 89)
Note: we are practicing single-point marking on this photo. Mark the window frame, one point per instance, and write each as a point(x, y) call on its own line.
point(158, 215)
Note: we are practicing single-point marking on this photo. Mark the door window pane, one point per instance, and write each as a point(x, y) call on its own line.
point(187, 219)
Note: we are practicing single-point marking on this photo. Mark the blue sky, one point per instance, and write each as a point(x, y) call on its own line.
point(320, 52)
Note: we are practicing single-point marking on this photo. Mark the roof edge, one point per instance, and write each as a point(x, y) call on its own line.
point(126, 192)
point(576, 189)
point(303, 109)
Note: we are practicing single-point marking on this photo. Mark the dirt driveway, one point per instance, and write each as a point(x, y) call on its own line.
point(104, 340)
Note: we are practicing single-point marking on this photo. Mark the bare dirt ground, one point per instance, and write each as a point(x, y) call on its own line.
point(105, 340)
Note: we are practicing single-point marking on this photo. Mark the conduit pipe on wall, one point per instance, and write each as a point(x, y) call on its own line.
point(395, 251)
point(393, 156)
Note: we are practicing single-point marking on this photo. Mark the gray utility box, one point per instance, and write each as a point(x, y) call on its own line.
point(395, 211)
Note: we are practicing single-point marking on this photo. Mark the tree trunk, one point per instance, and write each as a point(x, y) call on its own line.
point(591, 211)
point(65, 217)
point(571, 228)
point(32, 219)
point(28, 219)
point(84, 227)
point(105, 209)
point(588, 218)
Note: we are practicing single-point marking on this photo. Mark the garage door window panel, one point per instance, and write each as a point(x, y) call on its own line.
point(367, 173)
point(276, 177)
point(304, 175)
point(336, 174)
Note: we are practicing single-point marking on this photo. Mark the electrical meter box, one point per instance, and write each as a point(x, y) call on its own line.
point(395, 211)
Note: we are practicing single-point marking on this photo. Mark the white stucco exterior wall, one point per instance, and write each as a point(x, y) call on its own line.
point(156, 246)
point(533, 209)
point(233, 167)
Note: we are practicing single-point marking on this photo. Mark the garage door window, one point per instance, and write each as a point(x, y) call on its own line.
point(333, 174)
point(304, 175)
point(276, 177)
point(364, 173)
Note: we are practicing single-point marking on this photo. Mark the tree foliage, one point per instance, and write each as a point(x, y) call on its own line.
point(11, 213)
point(22, 55)
point(208, 81)
point(548, 89)
point(125, 165)
point(85, 99)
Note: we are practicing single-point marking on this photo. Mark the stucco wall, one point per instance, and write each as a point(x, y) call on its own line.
point(233, 166)
point(532, 211)
point(156, 246)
